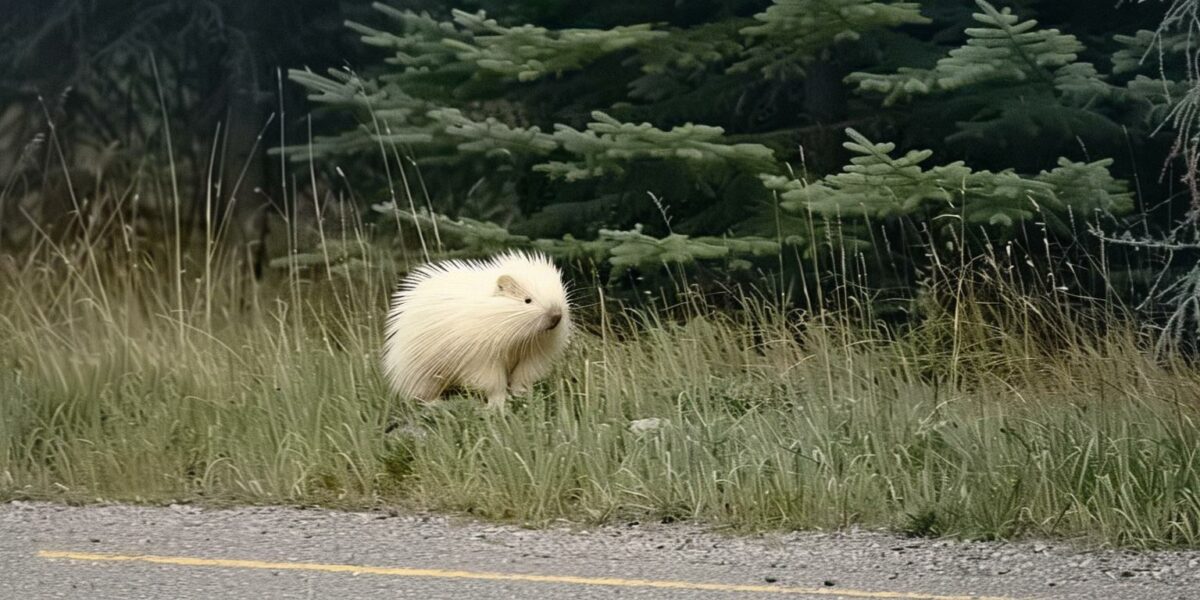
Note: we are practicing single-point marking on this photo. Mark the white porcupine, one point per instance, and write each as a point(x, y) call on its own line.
point(494, 326)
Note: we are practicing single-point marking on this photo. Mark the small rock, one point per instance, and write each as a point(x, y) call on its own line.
point(829, 583)
point(647, 425)
point(770, 579)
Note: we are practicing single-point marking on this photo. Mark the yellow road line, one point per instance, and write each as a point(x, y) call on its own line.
point(186, 561)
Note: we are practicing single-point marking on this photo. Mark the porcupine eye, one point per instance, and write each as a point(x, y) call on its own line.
point(528, 300)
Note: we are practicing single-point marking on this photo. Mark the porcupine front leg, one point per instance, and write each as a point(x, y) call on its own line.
point(493, 382)
point(497, 397)
point(523, 376)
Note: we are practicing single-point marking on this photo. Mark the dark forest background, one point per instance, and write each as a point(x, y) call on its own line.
point(737, 139)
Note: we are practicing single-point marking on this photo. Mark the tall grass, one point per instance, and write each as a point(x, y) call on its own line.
point(135, 370)
point(124, 378)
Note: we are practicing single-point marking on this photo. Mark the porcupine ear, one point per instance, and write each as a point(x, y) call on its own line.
point(506, 286)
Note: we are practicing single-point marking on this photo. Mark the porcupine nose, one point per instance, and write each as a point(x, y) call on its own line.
point(555, 318)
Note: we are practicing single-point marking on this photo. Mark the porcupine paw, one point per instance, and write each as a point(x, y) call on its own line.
point(519, 390)
point(496, 401)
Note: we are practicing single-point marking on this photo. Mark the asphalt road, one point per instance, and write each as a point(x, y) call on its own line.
point(184, 552)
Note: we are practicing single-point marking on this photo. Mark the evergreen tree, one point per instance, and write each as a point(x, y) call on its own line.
point(568, 128)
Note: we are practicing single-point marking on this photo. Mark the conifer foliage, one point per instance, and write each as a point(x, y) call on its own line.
point(878, 185)
point(608, 143)
point(791, 33)
point(1005, 49)
point(581, 122)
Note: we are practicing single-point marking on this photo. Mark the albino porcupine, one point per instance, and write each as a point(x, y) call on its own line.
point(493, 326)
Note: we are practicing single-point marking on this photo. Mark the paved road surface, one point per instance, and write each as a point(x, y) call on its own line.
point(183, 552)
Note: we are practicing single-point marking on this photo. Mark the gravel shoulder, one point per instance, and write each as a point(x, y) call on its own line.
point(836, 565)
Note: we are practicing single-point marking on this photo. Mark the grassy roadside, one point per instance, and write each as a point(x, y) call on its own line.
point(129, 384)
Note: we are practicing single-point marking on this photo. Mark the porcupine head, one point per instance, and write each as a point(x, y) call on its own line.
point(492, 326)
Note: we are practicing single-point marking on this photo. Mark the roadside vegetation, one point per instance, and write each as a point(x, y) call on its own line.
point(997, 415)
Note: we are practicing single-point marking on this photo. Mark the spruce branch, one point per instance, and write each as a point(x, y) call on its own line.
point(1004, 49)
point(878, 185)
point(793, 33)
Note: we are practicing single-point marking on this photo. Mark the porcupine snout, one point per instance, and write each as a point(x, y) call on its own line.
point(555, 317)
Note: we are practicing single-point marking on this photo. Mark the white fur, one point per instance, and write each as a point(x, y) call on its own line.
point(466, 323)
